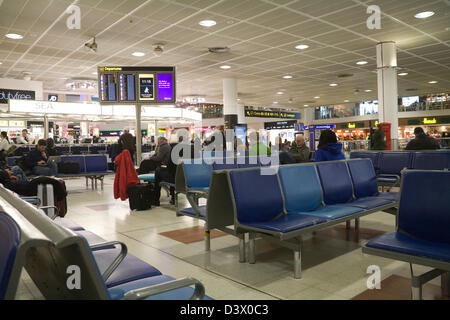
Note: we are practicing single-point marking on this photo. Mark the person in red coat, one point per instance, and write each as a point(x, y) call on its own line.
point(126, 175)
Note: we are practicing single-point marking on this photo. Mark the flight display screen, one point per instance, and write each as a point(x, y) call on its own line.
point(146, 87)
point(127, 90)
point(108, 87)
point(165, 87)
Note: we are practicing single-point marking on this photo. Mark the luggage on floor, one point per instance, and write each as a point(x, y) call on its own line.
point(47, 197)
point(69, 167)
point(140, 197)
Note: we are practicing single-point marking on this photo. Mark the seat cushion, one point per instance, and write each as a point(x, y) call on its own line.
point(368, 203)
point(334, 212)
point(69, 224)
point(130, 269)
point(387, 179)
point(93, 239)
point(191, 212)
point(403, 243)
point(147, 177)
point(289, 222)
point(118, 292)
point(393, 196)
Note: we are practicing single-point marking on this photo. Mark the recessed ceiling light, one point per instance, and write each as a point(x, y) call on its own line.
point(316, 97)
point(362, 62)
point(302, 47)
point(275, 102)
point(138, 54)
point(287, 77)
point(14, 36)
point(424, 15)
point(1, 63)
point(368, 90)
point(433, 82)
point(207, 23)
point(346, 100)
point(306, 105)
point(403, 74)
point(280, 92)
point(333, 84)
point(225, 67)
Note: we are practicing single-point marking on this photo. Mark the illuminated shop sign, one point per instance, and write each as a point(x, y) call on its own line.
point(352, 125)
point(429, 121)
point(271, 114)
point(7, 94)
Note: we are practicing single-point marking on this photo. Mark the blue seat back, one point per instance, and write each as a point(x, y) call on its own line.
point(394, 162)
point(336, 182)
point(9, 244)
point(301, 187)
point(197, 175)
point(257, 197)
point(227, 163)
point(79, 159)
point(373, 156)
point(248, 162)
point(424, 210)
point(96, 164)
point(431, 160)
point(364, 178)
point(12, 161)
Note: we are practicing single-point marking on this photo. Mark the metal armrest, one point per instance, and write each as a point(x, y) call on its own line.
point(141, 294)
point(31, 198)
point(51, 207)
point(117, 261)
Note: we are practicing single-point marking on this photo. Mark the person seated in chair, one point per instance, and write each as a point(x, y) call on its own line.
point(422, 141)
point(37, 160)
point(329, 149)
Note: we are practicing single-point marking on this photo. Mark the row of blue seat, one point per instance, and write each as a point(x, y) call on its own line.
point(117, 271)
point(422, 236)
point(390, 164)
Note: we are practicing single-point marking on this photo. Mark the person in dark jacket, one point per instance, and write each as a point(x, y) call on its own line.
point(165, 167)
point(299, 151)
point(37, 161)
point(378, 139)
point(127, 142)
point(329, 149)
point(422, 141)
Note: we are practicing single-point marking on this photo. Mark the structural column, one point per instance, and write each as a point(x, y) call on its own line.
point(138, 134)
point(241, 114)
point(387, 87)
point(46, 127)
point(230, 106)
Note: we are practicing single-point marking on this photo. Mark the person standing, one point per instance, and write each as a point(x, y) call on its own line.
point(378, 139)
point(128, 142)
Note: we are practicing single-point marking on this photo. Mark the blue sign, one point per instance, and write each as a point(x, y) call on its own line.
point(320, 127)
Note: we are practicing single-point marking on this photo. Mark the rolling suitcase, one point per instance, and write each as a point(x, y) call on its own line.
point(140, 197)
point(49, 201)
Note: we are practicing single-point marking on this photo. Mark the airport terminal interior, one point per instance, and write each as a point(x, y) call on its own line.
point(225, 150)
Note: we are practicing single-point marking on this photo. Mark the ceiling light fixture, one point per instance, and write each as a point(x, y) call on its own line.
point(14, 36)
point(424, 15)
point(362, 63)
point(287, 77)
point(433, 82)
point(306, 105)
point(368, 90)
point(207, 23)
point(138, 54)
point(225, 67)
point(403, 74)
point(316, 97)
point(333, 84)
point(346, 100)
point(302, 47)
point(280, 92)
point(275, 102)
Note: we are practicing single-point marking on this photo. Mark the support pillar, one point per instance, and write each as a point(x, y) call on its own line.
point(138, 134)
point(46, 127)
point(230, 106)
point(388, 87)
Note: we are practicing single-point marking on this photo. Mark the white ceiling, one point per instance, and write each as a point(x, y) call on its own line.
point(261, 35)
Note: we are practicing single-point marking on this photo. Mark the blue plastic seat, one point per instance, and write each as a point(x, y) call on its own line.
point(69, 224)
point(289, 222)
point(118, 292)
point(336, 182)
point(227, 163)
point(190, 211)
point(369, 203)
point(198, 176)
point(403, 243)
point(431, 160)
point(394, 196)
point(130, 269)
point(9, 244)
point(334, 212)
point(79, 159)
point(391, 165)
point(248, 162)
point(95, 164)
point(373, 156)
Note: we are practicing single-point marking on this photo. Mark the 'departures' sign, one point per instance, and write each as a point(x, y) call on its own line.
point(271, 114)
point(7, 94)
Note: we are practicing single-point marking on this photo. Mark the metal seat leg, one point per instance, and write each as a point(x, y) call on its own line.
point(252, 248)
point(242, 248)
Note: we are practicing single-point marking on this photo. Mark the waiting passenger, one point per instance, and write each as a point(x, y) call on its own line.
point(257, 147)
point(422, 141)
point(4, 142)
point(329, 149)
point(38, 161)
point(24, 138)
point(128, 142)
point(299, 151)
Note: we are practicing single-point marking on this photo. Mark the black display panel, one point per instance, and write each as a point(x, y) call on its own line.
point(127, 87)
point(108, 87)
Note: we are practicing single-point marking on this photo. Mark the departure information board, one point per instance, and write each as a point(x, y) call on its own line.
point(146, 85)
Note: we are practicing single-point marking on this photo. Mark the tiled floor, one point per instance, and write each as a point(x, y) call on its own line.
point(333, 265)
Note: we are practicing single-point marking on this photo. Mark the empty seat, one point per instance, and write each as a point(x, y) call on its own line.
point(373, 156)
point(431, 160)
point(96, 164)
point(248, 162)
point(336, 182)
point(226, 164)
point(391, 164)
point(198, 176)
point(9, 245)
point(303, 194)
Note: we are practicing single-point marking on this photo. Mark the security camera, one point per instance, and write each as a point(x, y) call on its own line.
point(158, 49)
point(92, 46)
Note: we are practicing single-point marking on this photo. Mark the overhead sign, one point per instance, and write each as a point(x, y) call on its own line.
point(7, 94)
point(148, 85)
point(48, 107)
point(429, 121)
point(271, 114)
point(280, 125)
point(52, 97)
point(352, 125)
